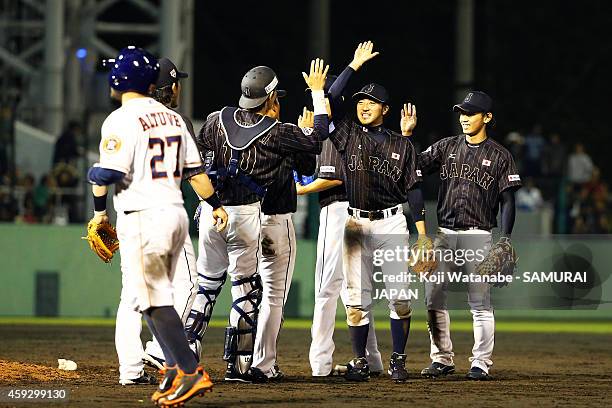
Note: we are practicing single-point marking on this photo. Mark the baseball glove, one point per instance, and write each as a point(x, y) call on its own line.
point(422, 255)
point(500, 260)
point(102, 239)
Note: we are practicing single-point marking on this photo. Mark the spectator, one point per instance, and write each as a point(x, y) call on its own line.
point(514, 143)
point(580, 165)
point(554, 157)
point(8, 207)
point(28, 199)
point(66, 148)
point(44, 199)
point(66, 177)
point(529, 198)
point(534, 148)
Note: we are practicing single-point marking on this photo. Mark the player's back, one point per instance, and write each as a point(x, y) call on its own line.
point(150, 144)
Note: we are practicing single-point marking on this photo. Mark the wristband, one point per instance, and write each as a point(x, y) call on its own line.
point(99, 213)
point(213, 201)
point(100, 203)
point(318, 102)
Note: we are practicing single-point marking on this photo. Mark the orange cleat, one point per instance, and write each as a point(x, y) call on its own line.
point(166, 385)
point(185, 387)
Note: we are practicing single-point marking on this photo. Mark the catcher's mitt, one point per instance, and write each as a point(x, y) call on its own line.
point(501, 260)
point(422, 255)
point(102, 239)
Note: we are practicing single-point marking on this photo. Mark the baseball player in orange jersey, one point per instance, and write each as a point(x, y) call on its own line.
point(144, 149)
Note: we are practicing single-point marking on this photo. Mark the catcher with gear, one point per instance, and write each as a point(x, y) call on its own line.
point(102, 238)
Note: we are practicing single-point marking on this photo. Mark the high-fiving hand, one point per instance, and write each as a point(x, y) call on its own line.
point(315, 80)
point(408, 120)
point(363, 54)
point(306, 119)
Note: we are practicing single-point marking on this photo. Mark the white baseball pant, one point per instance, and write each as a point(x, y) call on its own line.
point(278, 251)
point(149, 243)
point(329, 284)
point(361, 238)
point(479, 300)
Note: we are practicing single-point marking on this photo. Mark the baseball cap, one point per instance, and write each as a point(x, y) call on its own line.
point(168, 73)
point(475, 102)
point(375, 92)
point(256, 85)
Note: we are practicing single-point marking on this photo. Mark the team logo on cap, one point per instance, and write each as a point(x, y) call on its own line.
point(369, 89)
point(468, 97)
point(173, 73)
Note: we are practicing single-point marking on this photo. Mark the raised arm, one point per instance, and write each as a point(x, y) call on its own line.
point(363, 53)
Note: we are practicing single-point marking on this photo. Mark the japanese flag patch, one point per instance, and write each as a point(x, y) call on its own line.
point(486, 162)
point(514, 177)
point(395, 156)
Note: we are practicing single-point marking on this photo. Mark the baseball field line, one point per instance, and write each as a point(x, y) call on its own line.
point(528, 326)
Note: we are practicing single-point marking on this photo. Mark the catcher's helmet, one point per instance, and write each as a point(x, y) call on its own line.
point(256, 85)
point(134, 69)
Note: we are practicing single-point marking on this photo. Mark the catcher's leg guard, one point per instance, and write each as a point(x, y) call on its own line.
point(202, 309)
point(240, 335)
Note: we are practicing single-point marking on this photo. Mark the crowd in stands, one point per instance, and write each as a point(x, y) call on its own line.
point(568, 180)
point(53, 197)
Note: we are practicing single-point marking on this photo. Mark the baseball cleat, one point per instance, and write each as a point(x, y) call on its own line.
point(397, 367)
point(165, 385)
point(256, 376)
point(231, 374)
point(478, 374)
point(436, 370)
point(144, 379)
point(277, 374)
point(153, 362)
point(341, 369)
point(357, 370)
point(185, 387)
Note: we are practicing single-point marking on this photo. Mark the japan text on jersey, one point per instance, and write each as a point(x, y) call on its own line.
point(471, 179)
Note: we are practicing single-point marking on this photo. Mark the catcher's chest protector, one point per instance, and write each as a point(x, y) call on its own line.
point(239, 137)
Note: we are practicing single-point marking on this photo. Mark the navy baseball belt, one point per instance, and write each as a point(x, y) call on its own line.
point(375, 215)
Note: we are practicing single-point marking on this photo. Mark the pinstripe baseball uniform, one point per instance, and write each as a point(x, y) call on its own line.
point(237, 250)
point(329, 280)
point(380, 167)
point(472, 177)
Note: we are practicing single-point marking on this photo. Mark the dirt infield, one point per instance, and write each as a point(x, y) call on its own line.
point(530, 369)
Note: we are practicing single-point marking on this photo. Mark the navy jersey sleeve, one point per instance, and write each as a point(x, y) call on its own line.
point(430, 160)
point(413, 173)
point(295, 139)
point(508, 174)
point(330, 165)
point(305, 163)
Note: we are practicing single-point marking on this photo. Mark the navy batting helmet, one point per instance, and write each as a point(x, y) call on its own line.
point(134, 69)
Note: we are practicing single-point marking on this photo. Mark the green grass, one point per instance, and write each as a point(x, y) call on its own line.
point(527, 326)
